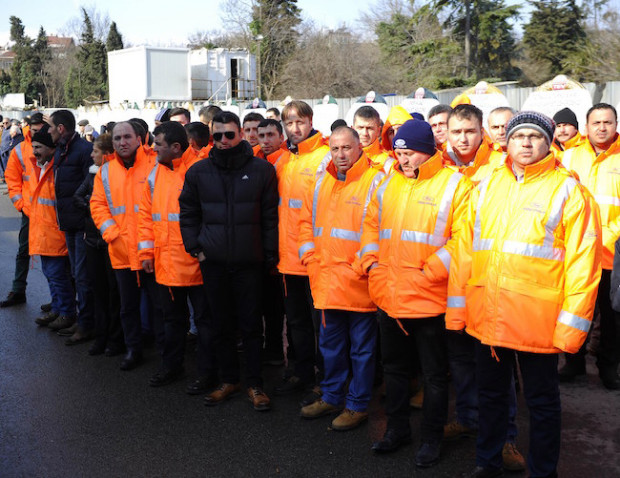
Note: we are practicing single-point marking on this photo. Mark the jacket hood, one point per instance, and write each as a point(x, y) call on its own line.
point(233, 158)
point(398, 115)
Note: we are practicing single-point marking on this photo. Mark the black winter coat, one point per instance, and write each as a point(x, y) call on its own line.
point(81, 200)
point(229, 208)
point(71, 163)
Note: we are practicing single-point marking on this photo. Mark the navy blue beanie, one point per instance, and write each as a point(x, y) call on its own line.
point(416, 135)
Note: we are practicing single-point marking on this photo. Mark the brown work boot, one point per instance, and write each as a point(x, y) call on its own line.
point(223, 392)
point(259, 399)
point(454, 430)
point(511, 458)
point(318, 409)
point(46, 318)
point(62, 322)
point(348, 420)
point(417, 401)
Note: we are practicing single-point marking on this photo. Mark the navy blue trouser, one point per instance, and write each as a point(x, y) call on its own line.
point(83, 284)
point(542, 395)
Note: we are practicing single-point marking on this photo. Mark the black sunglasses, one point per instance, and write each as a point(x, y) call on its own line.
point(228, 134)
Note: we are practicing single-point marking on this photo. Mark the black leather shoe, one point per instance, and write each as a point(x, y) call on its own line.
point(131, 360)
point(166, 377)
point(610, 378)
point(14, 298)
point(391, 441)
point(201, 385)
point(112, 350)
point(98, 348)
point(46, 307)
point(481, 472)
point(428, 454)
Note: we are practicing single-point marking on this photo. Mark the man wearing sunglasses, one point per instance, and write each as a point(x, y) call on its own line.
point(229, 221)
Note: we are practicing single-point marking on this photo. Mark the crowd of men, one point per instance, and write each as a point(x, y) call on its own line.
point(426, 250)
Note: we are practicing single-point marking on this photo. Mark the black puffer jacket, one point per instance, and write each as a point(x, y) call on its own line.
point(71, 163)
point(81, 200)
point(229, 208)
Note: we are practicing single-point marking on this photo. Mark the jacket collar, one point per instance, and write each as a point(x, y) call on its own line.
point(534, 171)
point(233, 158)
point(141, 156)
point(428, 169)
point(314, 141)
point(356, 171)
point(614, 148)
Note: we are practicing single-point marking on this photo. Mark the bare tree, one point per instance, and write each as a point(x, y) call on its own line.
point(100, 20)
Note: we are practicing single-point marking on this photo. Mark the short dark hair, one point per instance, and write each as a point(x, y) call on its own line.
point(145, 135)
point(36, 118)
point(65, 118)
point(302, 108)
point(466, 112)
point(173, 132)
point(227, 117)
point(439, 109)
point(181, 111)
point(199, 132)
point(274, 110)
point(253, 117)
point(601, 106)
point(503, 109)
point(104, 143)
point(344, 128)
point(209, 112)
point(271, 122)
point(109, 126)
point(367, 113)
point(337, 124)
point(27, 119)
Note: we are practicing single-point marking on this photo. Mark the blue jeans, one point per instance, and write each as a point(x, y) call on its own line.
point(348, 337)
point(57, 273)
point(542, 395)
point(83, 285)
point(461, 352)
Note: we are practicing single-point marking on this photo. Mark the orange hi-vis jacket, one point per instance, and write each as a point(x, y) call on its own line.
point(575, 141)
point(379, 158)
point(528, 262)
point(601, 175)
point(115, 203)
point(296, 175)
point(330, 232)
point(44, 235)
point(408, 239)
point(487, 159)
point(273, 157)
point(159, 233)
point(19, 169)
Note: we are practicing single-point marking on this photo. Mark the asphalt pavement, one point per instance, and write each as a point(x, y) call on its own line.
point(66, 414)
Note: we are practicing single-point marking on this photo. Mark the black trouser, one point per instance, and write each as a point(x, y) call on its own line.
point(608, 355)
point(22, 259)
point(429, 337)
point(175, 313)
point(273, 313)
point(107, 300)
point(494, 373)
point(234, 301)
point(155, 316)
point(303, 323)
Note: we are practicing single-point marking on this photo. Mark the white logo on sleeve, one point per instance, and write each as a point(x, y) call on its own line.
point(245, 176)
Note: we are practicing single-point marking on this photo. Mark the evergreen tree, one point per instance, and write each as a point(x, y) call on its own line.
point(115, 39)
point(554, 33)
point(276, 21)
point(89, 79)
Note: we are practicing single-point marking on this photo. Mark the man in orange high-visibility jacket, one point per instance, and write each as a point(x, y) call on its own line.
point(45, 237)
point(524, 279)
point(567, 133)
point(597, 164)
point(114, 206)
point(470, 149)
point(406, 248)
point(329, 237)
point(296, 170)
point(160, 249)
point(367, 123)
point(18, 171)
point(250, 128)
point(198, 136)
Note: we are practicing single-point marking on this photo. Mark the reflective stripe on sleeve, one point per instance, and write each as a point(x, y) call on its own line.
point(385, 234)
point(106, 224)
point(16, 198)
point(480, 244)
point(574, 321)
point(145, 245)
point(372, 247)
point(456, 301)
point(115, 211)
point(423, 238)
point(156, 216)
point(533, 250)
point(20, 156)
point(445, 257)
point(345, 234)
point(151, 179)
point(446, 204)
point(46, 202)
point(173, 216)
point(315, 200)
point(136, 208)
point(295, 203)
point(308, 246)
